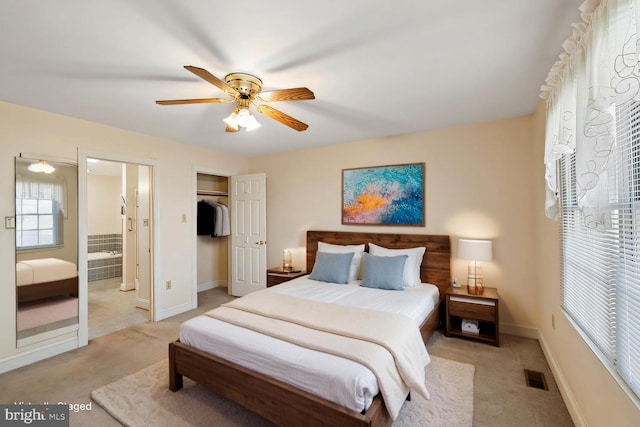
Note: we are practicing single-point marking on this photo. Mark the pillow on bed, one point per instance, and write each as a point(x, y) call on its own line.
point(411, 275)
point(357, 251)
point(332, 268)
point(383, 272)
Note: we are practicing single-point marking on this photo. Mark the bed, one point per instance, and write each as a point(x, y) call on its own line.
point(47, 295)
point(46, 277)
point(286, 404)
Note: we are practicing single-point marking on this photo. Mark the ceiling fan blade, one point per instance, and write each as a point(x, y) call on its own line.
point(232, 129)
point(205, 75)
point(282, 118)
point(194, 101)
point(295, 94)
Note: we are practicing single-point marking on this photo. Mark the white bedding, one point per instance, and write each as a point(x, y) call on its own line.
point(31, 272)
point(339, 380)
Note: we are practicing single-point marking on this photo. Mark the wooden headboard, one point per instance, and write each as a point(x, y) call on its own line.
point(436, 264)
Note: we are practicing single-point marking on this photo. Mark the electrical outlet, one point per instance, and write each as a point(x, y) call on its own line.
point(553, 321)
point(184, 217)
point(168, 285)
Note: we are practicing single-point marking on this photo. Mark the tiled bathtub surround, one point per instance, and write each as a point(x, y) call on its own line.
point(105, 242)
point(110, 265)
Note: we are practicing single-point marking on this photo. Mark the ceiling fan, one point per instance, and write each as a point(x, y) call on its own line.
point(246, 89)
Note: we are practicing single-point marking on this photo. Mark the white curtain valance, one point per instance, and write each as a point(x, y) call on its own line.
point(42, 187)
point(597, 73)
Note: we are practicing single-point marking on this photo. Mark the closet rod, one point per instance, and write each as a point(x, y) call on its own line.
point(211, 193)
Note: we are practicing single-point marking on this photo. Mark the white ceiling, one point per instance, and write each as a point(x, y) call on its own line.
point(377, 68)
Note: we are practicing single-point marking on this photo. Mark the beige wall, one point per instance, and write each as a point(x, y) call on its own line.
point(598, 399)
point(103, 204)
point(478, 185)
point(32, 131)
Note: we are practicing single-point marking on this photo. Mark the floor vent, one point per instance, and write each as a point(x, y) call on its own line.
point(535, 379)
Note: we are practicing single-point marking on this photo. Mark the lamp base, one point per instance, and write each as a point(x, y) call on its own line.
point(475, 290)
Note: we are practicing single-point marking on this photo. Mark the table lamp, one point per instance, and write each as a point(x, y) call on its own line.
point(476, 251)
point(294, 259)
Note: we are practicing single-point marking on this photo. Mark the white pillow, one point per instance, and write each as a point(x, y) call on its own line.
point(411, 274)
point(357, 250)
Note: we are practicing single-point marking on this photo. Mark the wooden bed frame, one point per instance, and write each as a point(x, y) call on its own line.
point(36, 291)
point(287, 405)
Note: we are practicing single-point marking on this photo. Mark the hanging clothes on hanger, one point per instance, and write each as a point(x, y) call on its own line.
point(206, 219)
point(221, 223)
point(226, 224)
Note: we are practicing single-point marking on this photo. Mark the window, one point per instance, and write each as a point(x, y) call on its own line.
point(601, 268)
point(39, 220)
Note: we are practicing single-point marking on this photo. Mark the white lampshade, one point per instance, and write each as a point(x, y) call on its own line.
point(251, 123)
point(474, 250)
point(232, 120)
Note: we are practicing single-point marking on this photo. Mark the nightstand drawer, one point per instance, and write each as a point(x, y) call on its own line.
point(275, 276)
point(472, 311)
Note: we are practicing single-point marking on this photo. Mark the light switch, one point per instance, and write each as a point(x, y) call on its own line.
point(9, 222)
point(184, 217)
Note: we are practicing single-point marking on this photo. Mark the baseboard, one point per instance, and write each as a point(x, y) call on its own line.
point(565, 390)
point(31, 356)
point(143, 303)
point(127, 287)
point(520, 331)
point(213, 284)
point(173, 311)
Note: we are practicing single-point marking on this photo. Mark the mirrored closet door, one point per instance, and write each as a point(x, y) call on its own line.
point(46, 224)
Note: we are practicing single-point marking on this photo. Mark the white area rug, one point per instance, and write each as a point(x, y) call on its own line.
point(144, 399)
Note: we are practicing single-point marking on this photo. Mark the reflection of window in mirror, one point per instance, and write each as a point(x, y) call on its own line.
point(40, 211)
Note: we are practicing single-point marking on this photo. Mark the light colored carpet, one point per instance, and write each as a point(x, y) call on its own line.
point(144, 399)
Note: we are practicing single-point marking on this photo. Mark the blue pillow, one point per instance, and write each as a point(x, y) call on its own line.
point(332, 268)
point(383, 272)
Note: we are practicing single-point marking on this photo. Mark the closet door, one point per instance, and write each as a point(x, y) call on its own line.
point(248, 233)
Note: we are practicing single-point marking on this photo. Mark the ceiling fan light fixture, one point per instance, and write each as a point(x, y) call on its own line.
point(246, 120)
point(232, 119)
point(242, 118)
point(41, 167)
point(252, 123)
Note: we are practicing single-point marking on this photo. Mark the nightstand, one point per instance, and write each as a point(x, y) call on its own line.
point(275, 276)
point(481, 308)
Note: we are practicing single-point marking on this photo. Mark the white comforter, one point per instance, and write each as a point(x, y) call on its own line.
point(42, 270)
point(340, 380)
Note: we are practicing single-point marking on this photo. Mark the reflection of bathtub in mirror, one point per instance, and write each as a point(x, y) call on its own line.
point(103, 255)
point(104, 265)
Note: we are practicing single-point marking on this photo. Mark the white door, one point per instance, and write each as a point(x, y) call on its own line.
point(248, 200)
point(143, 236)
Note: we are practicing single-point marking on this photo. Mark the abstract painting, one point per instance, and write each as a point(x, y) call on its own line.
point(383, 195)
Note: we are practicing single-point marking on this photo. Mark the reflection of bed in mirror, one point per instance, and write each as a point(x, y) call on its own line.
point(47, 295)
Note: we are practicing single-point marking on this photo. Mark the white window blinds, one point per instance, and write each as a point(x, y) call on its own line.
point(601, 268)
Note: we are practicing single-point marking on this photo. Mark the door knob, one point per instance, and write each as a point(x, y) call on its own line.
point(261, 242)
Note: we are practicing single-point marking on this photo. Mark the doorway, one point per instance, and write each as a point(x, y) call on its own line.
point(119, 245)
point(244, 252)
